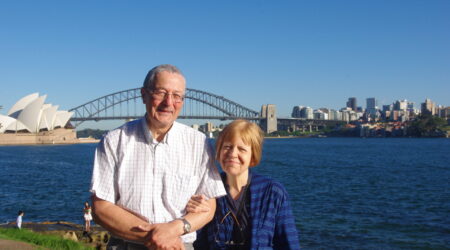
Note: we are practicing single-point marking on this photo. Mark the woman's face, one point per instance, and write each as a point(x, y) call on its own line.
point(235, 157)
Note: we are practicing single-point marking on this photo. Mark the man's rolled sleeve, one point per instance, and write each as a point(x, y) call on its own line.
point(211, 184)
point(102, 183)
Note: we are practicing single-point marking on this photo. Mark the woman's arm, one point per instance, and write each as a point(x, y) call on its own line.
point(285, 235)
point(198, 203)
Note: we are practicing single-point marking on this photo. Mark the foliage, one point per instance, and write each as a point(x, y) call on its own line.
point(46, 241)
point(427, 125)
point(282, 133)
point(344, 131)
point(95, 133)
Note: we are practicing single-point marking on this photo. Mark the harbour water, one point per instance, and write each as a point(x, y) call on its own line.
point(347, 193)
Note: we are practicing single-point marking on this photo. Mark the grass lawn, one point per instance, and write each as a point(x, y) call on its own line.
point(40, 240)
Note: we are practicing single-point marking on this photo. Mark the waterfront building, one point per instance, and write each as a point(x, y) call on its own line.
point(30, 114)
point(325, 110)
point(195, 126)
point(296, 112)
point(349, 115)
point(320, 115)
point(399, 116)
point(302, 112)
point(208, 128)
point(335, 115)
point(445, 113)
point(31, 121)
point(308, 113)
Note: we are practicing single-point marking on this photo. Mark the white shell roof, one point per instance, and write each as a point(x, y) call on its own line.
point(22, 103)
point(32, 114)
point(5, 121)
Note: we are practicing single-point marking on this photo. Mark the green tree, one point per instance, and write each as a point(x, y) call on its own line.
point(426, 125)
point(95, 133)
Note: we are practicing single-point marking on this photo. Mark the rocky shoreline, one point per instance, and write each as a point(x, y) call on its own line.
point(98, 237)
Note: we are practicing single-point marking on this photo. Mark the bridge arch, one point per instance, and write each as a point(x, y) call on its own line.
point(214, 107)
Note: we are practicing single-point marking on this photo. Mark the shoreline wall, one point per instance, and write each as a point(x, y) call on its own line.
point(57, 136)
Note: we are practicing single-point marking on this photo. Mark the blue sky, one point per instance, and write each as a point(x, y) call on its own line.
point(288, 53)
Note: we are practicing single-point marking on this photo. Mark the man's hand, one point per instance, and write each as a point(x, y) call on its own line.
point(197, 204)
point(163, 235)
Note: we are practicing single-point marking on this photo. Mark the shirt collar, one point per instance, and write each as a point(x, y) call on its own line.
point(168, 138)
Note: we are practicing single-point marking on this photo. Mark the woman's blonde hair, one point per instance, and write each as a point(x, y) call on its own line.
point(250, 133)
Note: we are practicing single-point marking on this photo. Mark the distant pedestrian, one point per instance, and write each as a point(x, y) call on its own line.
point(87, 216)
point(19, 219)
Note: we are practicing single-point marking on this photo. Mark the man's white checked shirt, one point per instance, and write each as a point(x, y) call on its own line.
point(155, 179)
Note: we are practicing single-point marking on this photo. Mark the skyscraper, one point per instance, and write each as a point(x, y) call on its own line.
point(371, 107)
point(351, 103)
point(428, 107)
point(401, 105)
point(371, 103)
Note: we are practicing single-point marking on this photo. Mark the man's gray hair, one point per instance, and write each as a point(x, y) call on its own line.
point(150, 78)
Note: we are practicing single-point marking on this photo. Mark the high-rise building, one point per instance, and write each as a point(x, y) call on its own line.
point(371, 106)
point(308, 113)
point(335, 115)
point(410, 106)
point(428, 107)
point(401, 105)
point(445, 113)
point(351, 103)
point(296, 111)
point(387, 107)
point(320, 115)
point(371, 103)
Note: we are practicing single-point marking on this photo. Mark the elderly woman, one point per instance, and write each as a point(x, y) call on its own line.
point(255, 213)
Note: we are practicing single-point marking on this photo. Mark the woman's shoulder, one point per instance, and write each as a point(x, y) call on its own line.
point(265, 182)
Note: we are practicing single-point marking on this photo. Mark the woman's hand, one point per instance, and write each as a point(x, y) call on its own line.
point(197, 204)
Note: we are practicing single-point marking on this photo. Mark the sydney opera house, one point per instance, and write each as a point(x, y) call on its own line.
point(31, 121)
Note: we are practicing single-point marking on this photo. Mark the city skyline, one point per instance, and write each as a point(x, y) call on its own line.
point(254, 53)
point(362, 103)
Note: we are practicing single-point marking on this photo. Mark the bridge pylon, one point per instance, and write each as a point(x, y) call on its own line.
point(268, 120)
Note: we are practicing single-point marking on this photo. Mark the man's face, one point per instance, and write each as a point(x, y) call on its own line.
point(163, 111)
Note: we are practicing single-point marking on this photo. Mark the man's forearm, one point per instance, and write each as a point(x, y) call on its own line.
point(118, 221)
point(198, 220)
point(165, 235)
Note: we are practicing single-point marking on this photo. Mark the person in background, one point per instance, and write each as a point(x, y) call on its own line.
point(20, 214)
point(87, 217)
point(255, 213)
point(146, 170)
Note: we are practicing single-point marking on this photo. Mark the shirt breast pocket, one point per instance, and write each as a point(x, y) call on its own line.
point(179, 189)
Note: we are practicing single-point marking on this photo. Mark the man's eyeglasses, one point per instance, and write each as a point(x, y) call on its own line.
point(159, 94)
point(223, 233)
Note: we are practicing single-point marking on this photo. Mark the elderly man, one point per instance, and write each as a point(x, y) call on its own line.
point(146, 170)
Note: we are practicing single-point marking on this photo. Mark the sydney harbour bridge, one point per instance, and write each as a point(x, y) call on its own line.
point(127, 105)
